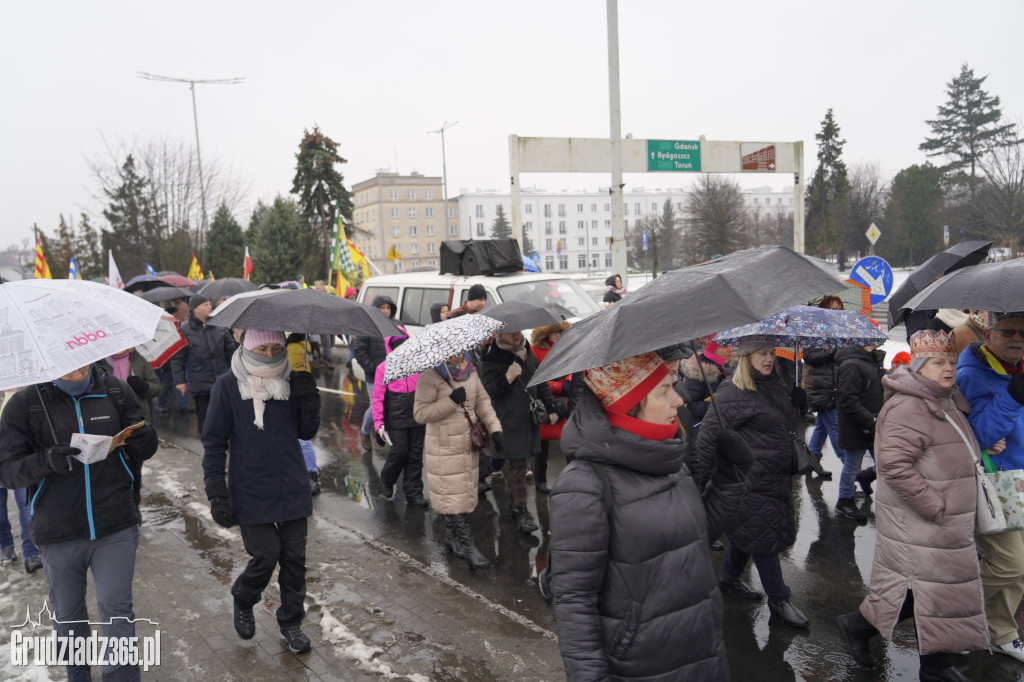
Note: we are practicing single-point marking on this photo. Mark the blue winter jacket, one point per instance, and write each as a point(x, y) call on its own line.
point(994, 413)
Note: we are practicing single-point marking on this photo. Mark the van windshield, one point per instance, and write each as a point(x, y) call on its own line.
point(564, 292)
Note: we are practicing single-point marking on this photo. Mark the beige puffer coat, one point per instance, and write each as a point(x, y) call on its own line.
point(451, 463)
point(924, 509)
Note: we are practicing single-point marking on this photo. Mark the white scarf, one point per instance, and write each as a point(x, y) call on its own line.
point(261, 381)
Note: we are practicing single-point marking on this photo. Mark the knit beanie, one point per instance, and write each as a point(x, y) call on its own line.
point(477, 292)
point(621, 385)
point(196, 301)
point(255, 338)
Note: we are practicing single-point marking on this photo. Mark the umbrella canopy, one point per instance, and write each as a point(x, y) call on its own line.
point(683, 304)
point(808, 327)
point(519, 315)
point(51, 327)
point(954, 258)
point(147, 282)
point(301, 310)
point(529, 265)
point(161, 294)
point(438, 342)
point(854, 295)
point(223, 288)
point(167, 340)
point(990, 286)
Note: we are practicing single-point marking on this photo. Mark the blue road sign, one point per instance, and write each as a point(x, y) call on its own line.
point(645, 241)
point(874, 273)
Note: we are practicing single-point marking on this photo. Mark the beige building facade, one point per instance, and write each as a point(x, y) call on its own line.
point(405, 213)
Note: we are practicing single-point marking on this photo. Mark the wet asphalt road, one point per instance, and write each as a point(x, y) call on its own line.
point(828, 568)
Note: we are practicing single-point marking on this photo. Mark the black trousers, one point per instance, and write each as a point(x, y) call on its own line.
point(202, 401)
point(930, 662)
point(405, 456)
point(540, 463)
point(270, 545)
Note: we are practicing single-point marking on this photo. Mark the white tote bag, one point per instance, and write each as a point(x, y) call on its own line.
point(989, 518)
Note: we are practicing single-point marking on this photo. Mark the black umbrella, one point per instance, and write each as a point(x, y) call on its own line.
point(684, 304)
point(302, 310)
point(519, 315)
point(161, 294)
point(223, 288)
point(991, 286)
point(958, 256)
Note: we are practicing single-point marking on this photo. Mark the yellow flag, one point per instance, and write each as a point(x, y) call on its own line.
point(42, 270)
point(195, 273)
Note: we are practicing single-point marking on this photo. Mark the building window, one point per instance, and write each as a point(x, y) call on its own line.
point(654, 206)
point(453, 212)
point(580, 224)
point(528, 208)
point(637, 206)
point(432, 262)
point(412, 212)
point(398, 265)
point(431, 247)
point(547, 210)
point(593, 262)
point(579, 208)
point(395, 213)
point(413, 231)
point(414, 264)
point(453, 230)
point(779, 201)
point(396, 231)
point(679, 206)
point(428, 194)
point(561, 227)
point(625, 209)
point(430, 212)
point(608, 260)
point(593, 208)
point(547, 245)
point(479, 229)
point(607, 224)
point(582, 242)
point(593, 241)
point(561, 210)
point(549, 263)
point(607, 208)
point(479, 210)
point(563, 264)
point(547, 227)
point(581, 262)
point(392, 194)
point(593, 224)
point(410, 194)
point(430, 230)
point(415, 248)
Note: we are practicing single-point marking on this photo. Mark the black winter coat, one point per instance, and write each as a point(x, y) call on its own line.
point(93, 500)
point(820, 378)
point(206, 357)
point(858, 397)
point(699, 396)
point(764, 418)
point(635, 591)
point(369, 351)
point(266, 474)
point(511, 402)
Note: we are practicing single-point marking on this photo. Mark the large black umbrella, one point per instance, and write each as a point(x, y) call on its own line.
point(223, 288)
point(943, 263)
point(991, 286)
point(520, 315)
point(147, 282)
point(302, 310)
point(684, 304)
point(161, 294)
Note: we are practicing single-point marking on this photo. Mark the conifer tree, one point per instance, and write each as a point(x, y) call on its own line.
point(827, 194)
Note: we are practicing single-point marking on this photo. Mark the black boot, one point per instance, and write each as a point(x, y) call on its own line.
point(451, 536)
point(474, 558)
point(314, 482)
point(857, 632)
point(789, 614)
point(524, 520)
point(739, 588)
point(866, 477)
point(818, 469)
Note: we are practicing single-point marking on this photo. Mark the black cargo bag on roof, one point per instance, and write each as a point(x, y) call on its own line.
point(480, 257)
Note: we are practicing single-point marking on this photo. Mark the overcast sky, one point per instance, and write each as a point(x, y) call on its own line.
point(376, 76)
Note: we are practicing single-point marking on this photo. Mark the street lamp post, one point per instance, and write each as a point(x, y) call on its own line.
point(444, 172)
point(195, 118)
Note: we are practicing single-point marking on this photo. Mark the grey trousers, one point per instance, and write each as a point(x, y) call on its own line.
point(111, 559)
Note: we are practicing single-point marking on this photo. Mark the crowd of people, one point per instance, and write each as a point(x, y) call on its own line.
point(699, 434)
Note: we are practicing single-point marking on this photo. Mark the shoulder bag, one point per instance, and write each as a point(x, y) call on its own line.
point(989, 518)
point(803, 460)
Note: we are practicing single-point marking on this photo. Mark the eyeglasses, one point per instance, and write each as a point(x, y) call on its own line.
point(1008, 333)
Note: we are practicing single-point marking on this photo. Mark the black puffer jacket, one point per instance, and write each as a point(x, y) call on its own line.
point(858, 397)
point(369, 351)
point(511, 402)
point(635, 598)
point(764, 418)
point(90, 501)
point(820, 378)
point(699, 396)
point(206, 357)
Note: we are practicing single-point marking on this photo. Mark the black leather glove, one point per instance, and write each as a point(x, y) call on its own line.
point(798, 396)
point(499, 442)
point(1016, 388)
point(398, 341)
point(220, 504)
point(137, 384)
point(733, 455)
point(58, 458)
point(458, 396)
point(305, 390)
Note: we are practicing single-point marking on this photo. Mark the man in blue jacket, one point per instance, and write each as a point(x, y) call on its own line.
point(991, 376)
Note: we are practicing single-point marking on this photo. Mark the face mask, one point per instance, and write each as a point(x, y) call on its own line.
point(74, 388)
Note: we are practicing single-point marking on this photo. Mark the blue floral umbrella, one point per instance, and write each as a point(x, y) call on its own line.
point(809, 327)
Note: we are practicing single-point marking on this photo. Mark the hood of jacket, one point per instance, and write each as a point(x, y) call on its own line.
point(378, 301)
point(610, 282)
point(903, 381)
point(859, 354)
point(711, 370)
point(589, 435)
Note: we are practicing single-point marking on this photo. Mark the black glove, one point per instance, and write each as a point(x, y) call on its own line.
point(798, 396)
point(733, 455)
point(378, 440)
point(499, 442)
point(458, 396)
point(58, 458)
point(1016, 388)
point(220, 504)
point(138, 385)
point(305, 390)
point(398, 341)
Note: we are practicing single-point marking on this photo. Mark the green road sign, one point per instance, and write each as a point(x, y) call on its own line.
point(673, 155)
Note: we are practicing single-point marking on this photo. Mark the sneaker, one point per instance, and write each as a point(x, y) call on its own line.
point(245, 622)
point(33, 564)
point(524, 520)
point(8, 554)
point(297, 642)
point(1014, 649)
point(848, 508)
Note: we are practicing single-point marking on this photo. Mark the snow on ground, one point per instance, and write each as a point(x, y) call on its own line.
point(348, 644)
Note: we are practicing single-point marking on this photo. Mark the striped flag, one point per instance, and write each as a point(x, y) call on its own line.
point(150, 270)
point(42, 270)
point(73, 269)
point(247, 266)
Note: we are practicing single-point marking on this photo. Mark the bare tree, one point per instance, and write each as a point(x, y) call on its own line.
point(999, 202)
point(865, 204)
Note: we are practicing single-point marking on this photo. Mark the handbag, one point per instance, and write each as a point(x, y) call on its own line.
point(989, 518)
point(538, 411)
point(477, 432)
point(1005, 483)
point(803, 460)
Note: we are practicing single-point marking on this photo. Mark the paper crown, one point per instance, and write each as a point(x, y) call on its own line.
point(621, 385)
point(931, 344)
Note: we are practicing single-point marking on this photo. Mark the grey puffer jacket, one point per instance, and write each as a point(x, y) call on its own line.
point(635, 592)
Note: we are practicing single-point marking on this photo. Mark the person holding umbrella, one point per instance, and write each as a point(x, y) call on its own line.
point(255, 475)
point(206, 357)
point(543, 338)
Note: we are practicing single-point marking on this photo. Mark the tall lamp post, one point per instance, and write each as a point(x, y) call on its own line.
point(195, 118)
point(444, 171)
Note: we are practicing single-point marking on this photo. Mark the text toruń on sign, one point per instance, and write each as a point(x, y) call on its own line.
point(673, 155)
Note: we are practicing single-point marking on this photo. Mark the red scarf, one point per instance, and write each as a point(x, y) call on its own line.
point(648, 430)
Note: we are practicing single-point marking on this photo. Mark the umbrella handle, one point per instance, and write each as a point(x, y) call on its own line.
point(707, 385)
point(46, 413)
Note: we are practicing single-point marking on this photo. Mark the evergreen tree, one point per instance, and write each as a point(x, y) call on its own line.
point(913, 216)
point(321, 191)
point(501, 228)
point(827, 194)
point(528, 248)
point(718, 217)
point(133, 222)
point(281, 247)
point(966, 128)
point(62, 248)
point(91, 258)
point(225, 245)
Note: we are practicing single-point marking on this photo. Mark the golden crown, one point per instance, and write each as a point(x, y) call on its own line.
point(931, 344)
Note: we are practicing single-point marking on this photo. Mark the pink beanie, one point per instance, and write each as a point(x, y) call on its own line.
point(257, 337)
